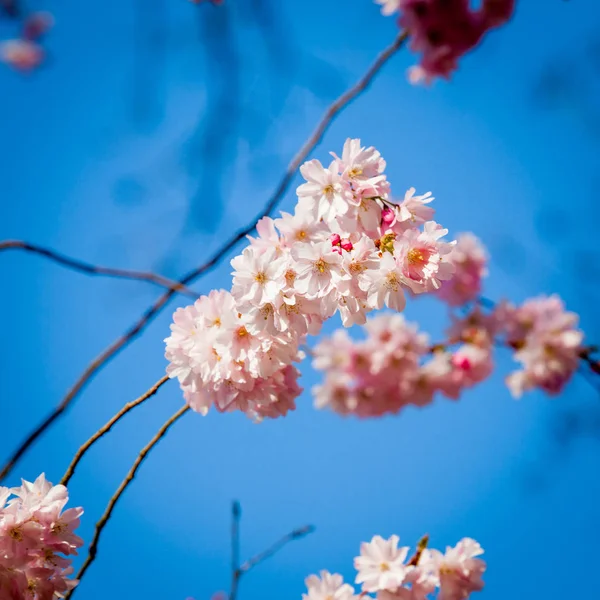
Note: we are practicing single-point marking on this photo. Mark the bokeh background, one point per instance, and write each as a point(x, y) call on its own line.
point(157, 128)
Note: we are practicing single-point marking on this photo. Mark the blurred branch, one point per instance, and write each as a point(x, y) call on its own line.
point(236, 513)
point(136, 329)
point(93, 550)
point(236, 570)
point(89, 269)
point(10, 8)
point(106, 428)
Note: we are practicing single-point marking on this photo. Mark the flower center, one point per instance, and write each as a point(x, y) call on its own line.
point(321, 266)
point(16, 534)
point(392, 280)
point(301, 235)
point(329, 190)
point(267, 311)
point(260, 277)
point(355, 268)
point(290, 276)
point(383, 567)
point(415, 257)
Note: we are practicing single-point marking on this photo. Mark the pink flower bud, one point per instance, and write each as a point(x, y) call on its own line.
point(461, 362)
point(346, 245)
point(335, 239)
point(387, 216)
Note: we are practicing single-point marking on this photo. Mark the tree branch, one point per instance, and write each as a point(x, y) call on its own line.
point(112, 351)
point(89, 269)
point(106, 428)
point(236, 513)
point(93, 550)
point(236, 570)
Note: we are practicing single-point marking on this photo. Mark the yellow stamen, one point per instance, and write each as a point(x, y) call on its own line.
point(415, 257)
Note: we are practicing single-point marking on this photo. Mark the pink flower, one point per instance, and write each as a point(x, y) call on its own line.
point(267, 236)
point(444, 30)
point(470, 266)
point(384, 286)
point(318, 268)
point(421, 258)
point(326, 194)
point(413, 209)
point(35, 534)
point(302, 227)
point(21, 54)
point(328, 587)
point(547, 343)
point(381, 565)
point(364, 168)
point(459, 570)
point(257, 278)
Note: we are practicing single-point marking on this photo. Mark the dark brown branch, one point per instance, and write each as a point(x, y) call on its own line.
point(93, 550)
point(134, 331)
point(108, 426)
point(89, 269)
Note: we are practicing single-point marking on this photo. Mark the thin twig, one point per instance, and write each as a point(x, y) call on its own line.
point(93, 550)
point(236, 513)
point(111, 352)
point(296, 534)
point(89, 269)
point(237, 572)
point(106, 428)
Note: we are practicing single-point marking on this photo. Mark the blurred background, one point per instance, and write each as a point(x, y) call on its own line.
point(156, 128)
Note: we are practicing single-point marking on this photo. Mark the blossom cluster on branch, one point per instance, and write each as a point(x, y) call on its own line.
point(383, 570)
point(36, 539)
point(395, 365)
point(350, 249)
point(25, 53)
point(442, 31)
point(347, 248)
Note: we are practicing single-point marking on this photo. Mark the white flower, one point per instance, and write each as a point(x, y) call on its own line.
point(328, 587)
point(326, 194)
point(318, 268)
point(381, 565)
point(258, 277)
point(384, 285)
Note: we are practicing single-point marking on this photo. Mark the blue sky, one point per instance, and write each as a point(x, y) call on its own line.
point(100, 161)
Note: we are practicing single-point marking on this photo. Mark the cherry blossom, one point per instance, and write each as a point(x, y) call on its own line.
point(36, 538)
point(469, 259)
point(442, 31)
point(459, 570)
point(385, 570)
point(328, 586)
point(381, 565)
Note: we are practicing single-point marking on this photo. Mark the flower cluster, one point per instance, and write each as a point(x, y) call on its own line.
point(547, 342)
point(347, 249)
point(36, 536)
point(383, 570)
point(442, 31)
point(395, 365)
point(25, 52)
point(469, 258)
